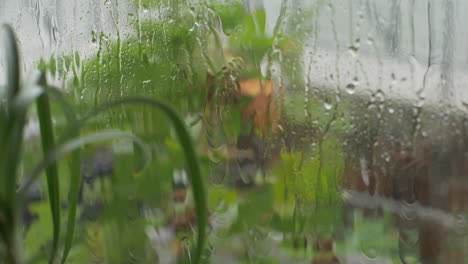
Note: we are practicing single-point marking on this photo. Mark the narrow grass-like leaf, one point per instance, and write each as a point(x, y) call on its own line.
point(74, 167)
point(75, 171)
point(75, 174)
point(12, 62)
point(11, 138)
point(190, 156)
point(14, 117)
point(48, 144)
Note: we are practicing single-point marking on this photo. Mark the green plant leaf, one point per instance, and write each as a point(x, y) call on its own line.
point(12, 121)
point(75, 175)
point(74, 166)
point(48, 144)
point(12, 62)
point(75, 170)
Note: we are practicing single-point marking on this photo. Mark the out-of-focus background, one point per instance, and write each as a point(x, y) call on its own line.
point(327, 131)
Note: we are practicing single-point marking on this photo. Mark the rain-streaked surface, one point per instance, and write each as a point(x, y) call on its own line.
point(328, 131)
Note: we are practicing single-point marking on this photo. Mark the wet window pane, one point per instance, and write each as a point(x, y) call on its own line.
point(280, 131)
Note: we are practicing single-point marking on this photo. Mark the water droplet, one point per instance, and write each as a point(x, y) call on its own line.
point(357, 42)
point(351, 87)
point(353, 50)
point(327, 105)
point(371, 106)
point(380, 96)
point(280, 127)
point(387, 158)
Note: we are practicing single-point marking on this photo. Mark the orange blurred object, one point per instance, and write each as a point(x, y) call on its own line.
point(262, 110)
